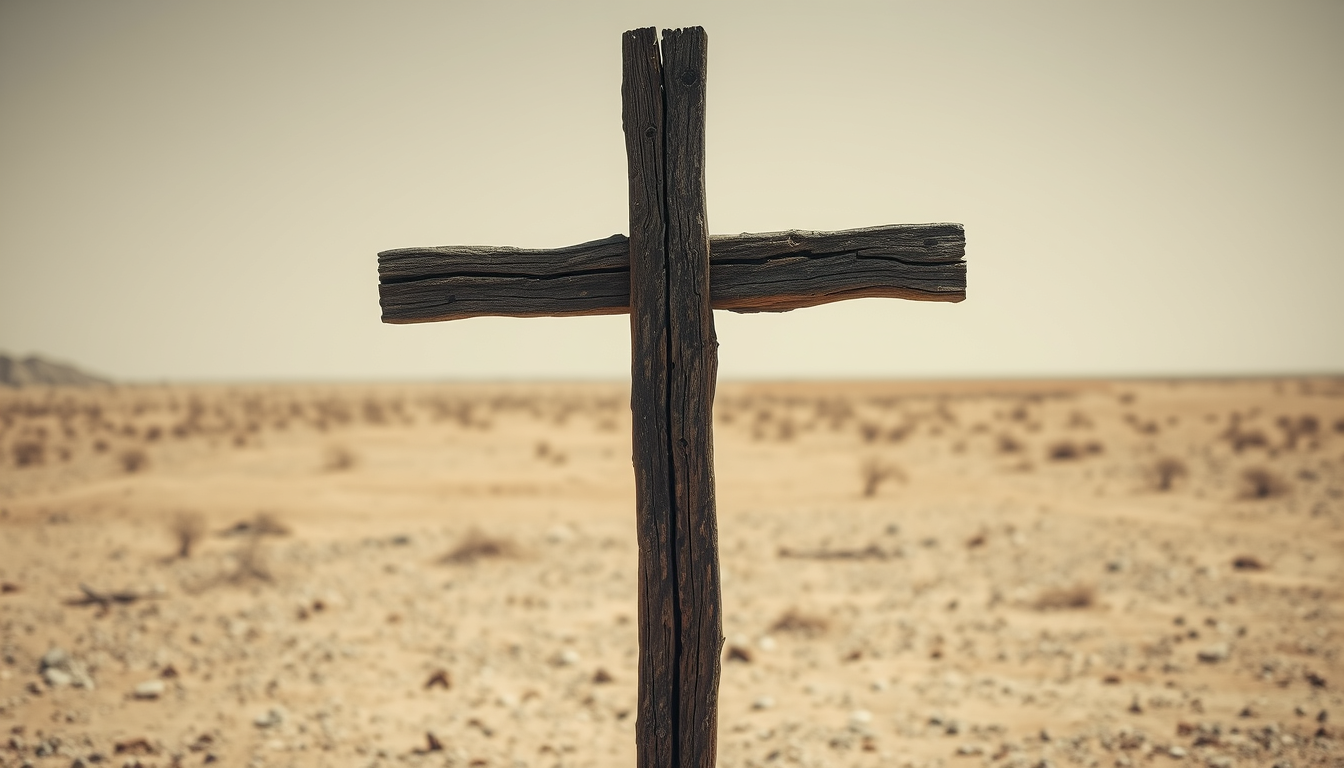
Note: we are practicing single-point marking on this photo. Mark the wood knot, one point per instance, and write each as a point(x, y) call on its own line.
point(650, 132)
point(689, 78)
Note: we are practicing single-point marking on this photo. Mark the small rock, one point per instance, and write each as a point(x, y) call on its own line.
point(859, 719)
point(766, 643)
point(602, 676)
point(56, 657)
point(150, 690)
point(440, 679)
point(739, 653)
point(970, 749)
point(763, 702)
point(567, 658)
point(1215, 653)
point(56, 677)
point(270, 718)
point(1176, 751)
point(59, 668)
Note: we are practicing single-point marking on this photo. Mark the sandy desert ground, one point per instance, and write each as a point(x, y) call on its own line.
point(1095, 573)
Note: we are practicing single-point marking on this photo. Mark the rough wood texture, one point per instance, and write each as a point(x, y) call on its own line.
point(771, 272)
point(693, 363)
point(646, 282)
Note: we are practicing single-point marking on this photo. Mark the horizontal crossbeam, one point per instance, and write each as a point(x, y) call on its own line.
point(773, 272)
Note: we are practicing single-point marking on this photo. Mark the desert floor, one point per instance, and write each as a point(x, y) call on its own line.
point(926, 574)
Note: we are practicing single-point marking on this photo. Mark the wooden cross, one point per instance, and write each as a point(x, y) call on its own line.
point(669, 274)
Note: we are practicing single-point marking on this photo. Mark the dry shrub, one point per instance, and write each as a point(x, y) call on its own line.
point(1248, 563)
point(1303, 427)
point(478, 546)
point(1009, 444)
point(1066, 598)
point(795, 622)
point(29, 454)
point(876, 472)
point(1067, 450)
point(263, 524)
point(338, 458)
point(133, 460)
point(1166, 472)
point(250, 563)
point(1260, 483)
point(187, 529)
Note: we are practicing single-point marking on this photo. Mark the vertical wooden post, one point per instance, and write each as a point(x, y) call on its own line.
point(674, 364)
point(642, 117)
point(693, 363)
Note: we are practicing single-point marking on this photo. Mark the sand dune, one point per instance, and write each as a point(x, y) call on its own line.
point(924, 574)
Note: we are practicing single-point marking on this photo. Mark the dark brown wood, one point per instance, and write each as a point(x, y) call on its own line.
point(693, 363)
point(642, 119)
point(669, 275)
point(770, 272)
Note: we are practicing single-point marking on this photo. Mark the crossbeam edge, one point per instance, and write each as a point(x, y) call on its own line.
point(769, 272)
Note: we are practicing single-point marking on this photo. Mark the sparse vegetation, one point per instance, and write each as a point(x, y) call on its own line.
point(876, 472)
point(29, 453)
point(250, 563)
point(338, 458)
point(477, 546)
point(1248, 563)
point(1075, 597)
point(1259, 483)
point(187, 529)
point(1166, 472)
point(262, 524)
point(1067, 450)
point(796, 622)
point(133, 460)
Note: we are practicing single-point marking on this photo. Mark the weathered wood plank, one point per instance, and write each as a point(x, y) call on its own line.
point(646, 286)
point(693, 363)
point(775, 272)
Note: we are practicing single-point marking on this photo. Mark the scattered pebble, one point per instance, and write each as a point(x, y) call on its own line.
point(1212, 654)
point(149, 690)
point(271, 718)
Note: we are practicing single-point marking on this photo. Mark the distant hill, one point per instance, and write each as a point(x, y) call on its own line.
point(33, 371)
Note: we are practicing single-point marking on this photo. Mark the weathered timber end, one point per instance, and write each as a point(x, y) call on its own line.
point(769, 272)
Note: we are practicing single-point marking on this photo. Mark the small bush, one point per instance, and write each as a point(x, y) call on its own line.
point(478, 546)
point(1260, 483)
point(876, 472)
point(1067, 450)
point(795, 622)
point(133, 460)
point(1066, 598)
point(187, 529)
point(1248, 563)
point(29, 454)
point(338, 458)
point(1166, 472)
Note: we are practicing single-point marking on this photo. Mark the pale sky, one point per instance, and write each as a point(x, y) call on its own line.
point(197, 191)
